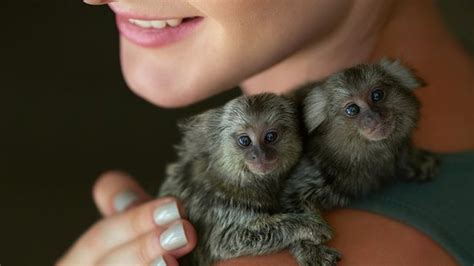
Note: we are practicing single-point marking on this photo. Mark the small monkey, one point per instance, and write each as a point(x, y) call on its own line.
point(232, 165)
point(359, 122)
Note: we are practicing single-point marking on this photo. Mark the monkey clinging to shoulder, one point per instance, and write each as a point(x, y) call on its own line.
point(359, 123)
point(231, 169)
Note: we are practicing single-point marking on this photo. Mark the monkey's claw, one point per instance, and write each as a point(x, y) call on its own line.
point(429, 166)
point(319, 230)
point(328, 256)
point(308, 254)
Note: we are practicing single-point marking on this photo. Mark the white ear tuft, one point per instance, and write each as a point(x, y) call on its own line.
point(314, 108)
point(402, 73)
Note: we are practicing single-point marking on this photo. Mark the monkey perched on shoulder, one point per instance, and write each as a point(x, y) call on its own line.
point(359, 122)
point(232, 165)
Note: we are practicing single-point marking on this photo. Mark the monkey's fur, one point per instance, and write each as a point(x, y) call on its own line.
point(233, 203)
point(347, 156)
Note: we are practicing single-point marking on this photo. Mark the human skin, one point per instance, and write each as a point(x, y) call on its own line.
point(269, 59)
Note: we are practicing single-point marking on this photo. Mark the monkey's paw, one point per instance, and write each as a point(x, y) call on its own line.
point(315, 255)
point(315, 229)
point(429, 166)
point(328, 256)
point(425, 166)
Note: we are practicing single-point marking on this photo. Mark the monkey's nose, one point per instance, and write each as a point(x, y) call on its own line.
point(371, 120)
point(368, 121)
point(256, 154)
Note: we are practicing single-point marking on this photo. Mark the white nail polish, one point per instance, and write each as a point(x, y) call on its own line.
point(174, 237)
point(123, 200)
point(97, 2)
point(159, 262)
point(166, 213)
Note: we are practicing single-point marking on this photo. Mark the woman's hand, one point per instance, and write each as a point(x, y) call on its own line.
point(135, 230)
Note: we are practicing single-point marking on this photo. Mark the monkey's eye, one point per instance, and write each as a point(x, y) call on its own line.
point(244, 141)
point(377, 95)
point(352, 110)
point(271, 137)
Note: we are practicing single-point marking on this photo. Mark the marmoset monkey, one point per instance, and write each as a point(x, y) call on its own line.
point(359, 122)
point(232, 165)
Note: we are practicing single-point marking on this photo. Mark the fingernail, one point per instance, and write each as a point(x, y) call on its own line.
point(174, 237)
point(159, 262)
point(124, 199)
point(97, 2)
point(166, 213)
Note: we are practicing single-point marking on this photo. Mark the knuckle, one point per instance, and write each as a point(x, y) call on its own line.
point(138, 220)
point(145, 249)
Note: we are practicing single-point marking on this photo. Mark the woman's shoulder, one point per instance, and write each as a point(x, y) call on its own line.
point(442, 208)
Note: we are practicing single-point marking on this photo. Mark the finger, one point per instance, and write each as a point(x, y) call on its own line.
point(98, 2)
point(116, 191)
point(165, 260)
point(119, 229)
point(176, 240)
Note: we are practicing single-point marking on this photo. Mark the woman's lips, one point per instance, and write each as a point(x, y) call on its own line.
point(156, 33)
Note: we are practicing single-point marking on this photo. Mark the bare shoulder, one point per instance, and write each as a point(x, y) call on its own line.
point(367, 239)
point(370, 239)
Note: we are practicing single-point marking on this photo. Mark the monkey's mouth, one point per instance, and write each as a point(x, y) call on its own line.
point(262, 168)
point(379, 132)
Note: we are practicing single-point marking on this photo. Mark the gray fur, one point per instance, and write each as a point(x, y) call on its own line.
point(339, 163)
point(235, 211)
point(404, 75)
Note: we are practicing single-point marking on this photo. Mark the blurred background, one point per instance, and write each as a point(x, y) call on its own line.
point(66, 115)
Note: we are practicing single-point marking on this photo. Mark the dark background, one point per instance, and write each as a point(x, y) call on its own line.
point(66, 115)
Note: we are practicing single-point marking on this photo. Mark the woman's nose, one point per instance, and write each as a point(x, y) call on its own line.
point(98, 2)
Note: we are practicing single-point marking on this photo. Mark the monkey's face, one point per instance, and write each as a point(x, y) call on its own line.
point(374, 105)
point(259, 148)
point(260, 135)
point(367, 114)
point(366, 102)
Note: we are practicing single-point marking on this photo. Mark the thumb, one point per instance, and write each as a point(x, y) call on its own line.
point(116, 191)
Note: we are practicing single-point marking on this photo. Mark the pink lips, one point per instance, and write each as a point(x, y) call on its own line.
point(152, 37)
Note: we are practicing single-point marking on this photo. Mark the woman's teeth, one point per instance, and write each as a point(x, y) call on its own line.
point(157, 24)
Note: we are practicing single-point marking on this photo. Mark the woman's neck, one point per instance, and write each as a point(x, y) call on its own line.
point(414, 32)
point(350, 43)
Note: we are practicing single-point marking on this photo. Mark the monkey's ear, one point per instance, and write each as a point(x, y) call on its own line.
point(196, 129)
point(314, 108)
point(201, 122)
point(402, 73)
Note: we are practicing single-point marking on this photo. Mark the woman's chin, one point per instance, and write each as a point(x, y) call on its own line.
point(163, 87)
point(165, 81)
point(165, 96)
point(158, 87)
